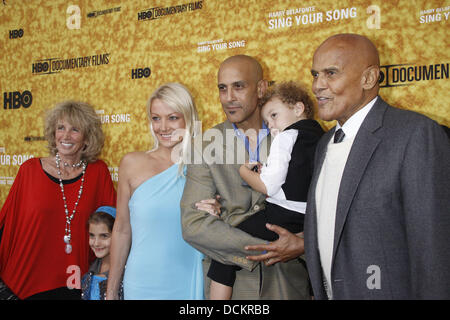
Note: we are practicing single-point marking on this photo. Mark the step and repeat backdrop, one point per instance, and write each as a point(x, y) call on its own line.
point(113, 54)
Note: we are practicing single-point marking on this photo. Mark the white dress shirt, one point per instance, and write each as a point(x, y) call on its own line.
point(273, 173)
point(351, 126)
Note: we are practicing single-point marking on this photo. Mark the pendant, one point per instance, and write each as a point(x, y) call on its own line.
point(67, 239)
point(68, 248)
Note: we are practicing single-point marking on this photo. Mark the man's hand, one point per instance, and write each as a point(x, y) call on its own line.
point(287, 247)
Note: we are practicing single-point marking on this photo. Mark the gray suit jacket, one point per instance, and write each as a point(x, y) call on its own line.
point(392, 232)
point(218, 173)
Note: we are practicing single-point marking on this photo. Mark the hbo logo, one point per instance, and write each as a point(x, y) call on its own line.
point(140, 72)
point(13, 100)
point(14, 34)
point(40, 67)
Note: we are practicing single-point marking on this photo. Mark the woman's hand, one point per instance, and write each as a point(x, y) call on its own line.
point(212, 206)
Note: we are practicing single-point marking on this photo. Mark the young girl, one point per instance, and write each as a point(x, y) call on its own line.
point(287, 110)
point(100, 226)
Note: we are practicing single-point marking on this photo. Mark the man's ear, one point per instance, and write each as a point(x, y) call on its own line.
point(262, 87)
point(299, 108)
point(370, 77)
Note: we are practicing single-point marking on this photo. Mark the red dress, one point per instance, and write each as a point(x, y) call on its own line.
point(32, 256)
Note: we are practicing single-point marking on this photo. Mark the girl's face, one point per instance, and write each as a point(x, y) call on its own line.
point(99, 239)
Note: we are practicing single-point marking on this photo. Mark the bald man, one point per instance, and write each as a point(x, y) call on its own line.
point(242, 137)
point(377, 224)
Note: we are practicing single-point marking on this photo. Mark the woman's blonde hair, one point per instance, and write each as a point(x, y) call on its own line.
point(177, 97)
point(82, 116)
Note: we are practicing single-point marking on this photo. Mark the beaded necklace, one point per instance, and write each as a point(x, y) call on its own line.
point(68, 231)
point(75, 165)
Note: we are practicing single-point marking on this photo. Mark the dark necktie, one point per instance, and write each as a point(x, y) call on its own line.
point(339, 136)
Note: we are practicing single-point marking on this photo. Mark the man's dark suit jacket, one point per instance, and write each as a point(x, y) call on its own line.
point(392, 232)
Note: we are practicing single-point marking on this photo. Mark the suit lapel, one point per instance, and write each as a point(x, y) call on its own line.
point(320, 154)
point(264, 148)
point(360, 154)
point(239, 146)
point(311, 239)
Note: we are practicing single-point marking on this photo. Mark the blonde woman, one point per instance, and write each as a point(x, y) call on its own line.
point(147, 233)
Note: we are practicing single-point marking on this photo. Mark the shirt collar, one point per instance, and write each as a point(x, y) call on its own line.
point(262, 133)
point(351, 126)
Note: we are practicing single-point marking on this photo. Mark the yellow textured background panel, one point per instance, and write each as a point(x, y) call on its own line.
point(185, 41)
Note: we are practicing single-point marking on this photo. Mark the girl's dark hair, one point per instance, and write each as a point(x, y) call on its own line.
point(101, 217)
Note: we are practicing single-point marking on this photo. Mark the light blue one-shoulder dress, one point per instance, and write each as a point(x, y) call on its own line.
point(161, 265)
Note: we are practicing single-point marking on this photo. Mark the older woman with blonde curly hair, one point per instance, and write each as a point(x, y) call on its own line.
point(45, 245)
point(82, 116)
